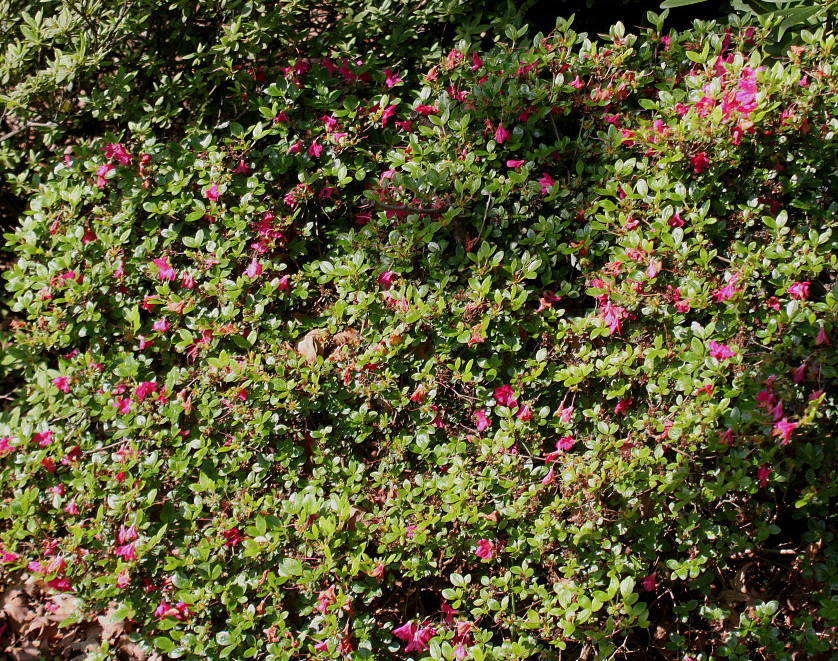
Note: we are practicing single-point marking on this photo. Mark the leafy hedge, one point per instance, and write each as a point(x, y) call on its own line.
point(532, 351)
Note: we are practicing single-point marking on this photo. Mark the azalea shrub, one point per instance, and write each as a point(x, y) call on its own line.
point(528, 353)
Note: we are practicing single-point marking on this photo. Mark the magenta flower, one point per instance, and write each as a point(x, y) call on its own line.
point(476, 62)
point(284, 283)
point(485, 549)
point(822, 337)
point(799, 290)
point(7, 556)
point(565, 443)
point(501, 134)
point(649, 583)
point(62, 383)
point(623, 404)
point(762, 475)
point(72, 508)
point(123, 405)
point(482, 420)
point(700, 162)
point(161, 325)
point(386, 278)
point(504, 396)
point(783, 428)
point(391, 79)
point(386, 114)
point(797, 373)
point(6, 445)
point(117, 152)
point(546, 182)
point(315, 149)
point(676, 220)
point(242, 168)
point(42, 438)
point(577, 83)
point(295, 148)
point(254, 269)
point(212, 193)
point(514, 164)
point(164, 270)
point(426, 110)
point(101, 173)
point(719, 351)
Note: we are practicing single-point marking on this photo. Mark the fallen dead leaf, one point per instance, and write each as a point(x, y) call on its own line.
point(313, 344)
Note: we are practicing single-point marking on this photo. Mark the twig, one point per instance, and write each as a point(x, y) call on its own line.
point(395, 207)
point(30, 125)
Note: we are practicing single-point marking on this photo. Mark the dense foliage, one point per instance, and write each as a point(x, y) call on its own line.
point(529, 351)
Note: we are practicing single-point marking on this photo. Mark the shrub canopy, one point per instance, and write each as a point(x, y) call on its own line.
point(528, 351)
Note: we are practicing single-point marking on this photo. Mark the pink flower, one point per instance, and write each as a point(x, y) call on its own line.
point(295, 148)
point(72, 508)
point(762, 475)
point(565, 443)
point(482, 420)
point(676, 220)
point(164, 270)
point(799, 290)
point(476, 62)
point(89, 236)
point(212, 193)
point(62, 383)
point(116, 152)
point(549, 478)
point(123, 405)
point(144, 342)
point(126, 535)
point(546, 182)
point(161, 325)
point(784, 429)
point(514, 164)
point(505, 396)
point(501, 134)
point(144, 389)
point(649, 583)
point(797, 373)
point(577, 83)
point(391, 79)
point(241, 168)
point(127, 552)
point(254, 269)
point(322, 646)
point(378, 571)
point(719, 351)
point(524, 413)
point(284, 283)
point(485, 549)
point(726, 293)
point(426, 110)
point(386, 278)
point(700, 162)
